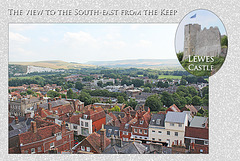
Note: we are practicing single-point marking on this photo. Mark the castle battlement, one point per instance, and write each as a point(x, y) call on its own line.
point(206, 42)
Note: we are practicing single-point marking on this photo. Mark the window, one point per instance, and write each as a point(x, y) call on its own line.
point(153, 131)
point(175, 142)
point(116, 132)
point(86, 124)
point(126, 126)
point(153, 138)
point(159, 139)
point(140, 131)
point(159, 132)
point(39, 149)
point(81, 123)
point(205, 142)
point(171, 124)
point(179, 125)
point(141, 122)
point(26, 151)
point(192, 141)
point(176, 133)
point(88, 149)
point(109, 131)
point(135, 130)
point(52, 145)
point(145, 131)
point(168, 132)
point(85, 116)
point(74, 126)
point(125, 133)
point(33, 150)
point(82, 148)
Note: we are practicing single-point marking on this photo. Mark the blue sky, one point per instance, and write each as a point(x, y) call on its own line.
point(91, 42)
point(204, 18)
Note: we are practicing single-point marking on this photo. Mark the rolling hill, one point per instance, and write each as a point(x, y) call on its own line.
point(54, 64)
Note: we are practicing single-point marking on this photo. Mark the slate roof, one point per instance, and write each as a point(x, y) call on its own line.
point(122, 114)
point(108, 118)
point(175, 117)
point(160, 118)
point(111, 130)
point(54, 103)
point(196, 132)
point(198, 121)
point(127, 148)
point(21, 127)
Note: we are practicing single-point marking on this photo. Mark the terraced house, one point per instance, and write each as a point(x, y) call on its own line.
point(170, 130)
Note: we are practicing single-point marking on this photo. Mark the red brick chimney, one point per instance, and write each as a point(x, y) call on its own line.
point(49, 106)
point(102, 138)
point(33, 127)
point(63, 127)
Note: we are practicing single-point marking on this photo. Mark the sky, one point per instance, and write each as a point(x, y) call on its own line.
point(90, 42)
point(204, 18)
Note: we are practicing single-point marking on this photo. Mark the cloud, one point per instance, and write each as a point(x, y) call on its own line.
point(18, 37)
point(144, 43)
point(43, 39)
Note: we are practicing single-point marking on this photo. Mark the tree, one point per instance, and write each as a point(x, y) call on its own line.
point(154, 102)
point(115, 108)
point(182, 89)
point(53, 94)
point(137, 82)
point(224, 41)
point(197, 101)
point(79, 85)
point(167, 99)
point(120, 99)
point(70, 93)
point(205, 91)
point(131, 103)
point(180, 56)
point(148, 85)
point(85, 97)
point(192, 91)
point(147, 89)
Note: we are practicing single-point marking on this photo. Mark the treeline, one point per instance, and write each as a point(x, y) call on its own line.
point(183, 96)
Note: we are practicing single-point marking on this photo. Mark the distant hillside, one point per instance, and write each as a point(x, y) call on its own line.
point(138, 63)
point(54, 64)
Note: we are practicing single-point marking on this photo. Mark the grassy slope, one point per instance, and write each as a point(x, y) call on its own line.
point(56, 64)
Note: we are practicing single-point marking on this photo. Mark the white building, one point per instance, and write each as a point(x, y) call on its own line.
point(171, 130)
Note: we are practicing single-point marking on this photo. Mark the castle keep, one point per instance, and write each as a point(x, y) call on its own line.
point(206, 42)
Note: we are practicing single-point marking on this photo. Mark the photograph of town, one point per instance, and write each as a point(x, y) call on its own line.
point(103, 89)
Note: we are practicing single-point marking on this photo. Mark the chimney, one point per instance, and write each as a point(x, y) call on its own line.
point(37, 106)
point(16, 120)
point(60, 96)
point(49, 106)
point(66, 97)
point(102, 138)
point(54, 99)
point(112, 140)
point(33, 127)
point(119, 142)
point(63, 128)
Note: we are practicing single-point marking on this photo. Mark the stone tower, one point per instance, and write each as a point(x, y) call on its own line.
point(190, 39)
point(206, 42)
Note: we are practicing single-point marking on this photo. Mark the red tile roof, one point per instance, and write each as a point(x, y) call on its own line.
point(95, 114)
point(71, 119)
point(173, 108)
point(45, 130)
point(191, 108)
point(196, 132)
point(94, 140)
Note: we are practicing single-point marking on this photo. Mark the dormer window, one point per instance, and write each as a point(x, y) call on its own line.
point(141, 122)
point(85, 116)
point(126, 126)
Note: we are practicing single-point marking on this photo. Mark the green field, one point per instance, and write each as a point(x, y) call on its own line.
point(169, 76)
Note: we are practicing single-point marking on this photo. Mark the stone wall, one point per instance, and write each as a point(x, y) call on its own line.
point(206, 42)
